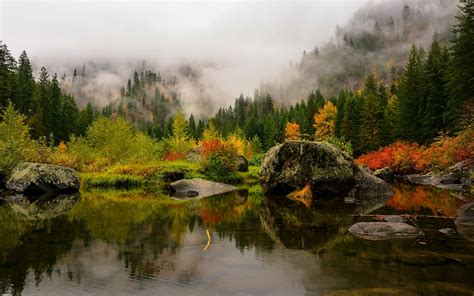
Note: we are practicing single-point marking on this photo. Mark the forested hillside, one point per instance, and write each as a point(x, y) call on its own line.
point(375, 41)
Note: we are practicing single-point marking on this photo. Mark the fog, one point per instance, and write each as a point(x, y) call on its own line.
point(234, 46)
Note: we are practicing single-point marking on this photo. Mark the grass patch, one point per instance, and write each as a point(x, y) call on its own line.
point(251, 177)
point(110, 181)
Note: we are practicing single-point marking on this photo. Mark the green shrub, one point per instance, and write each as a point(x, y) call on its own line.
point(14, 139)
point(256, 160)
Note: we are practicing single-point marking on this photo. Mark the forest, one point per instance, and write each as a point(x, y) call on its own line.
point(425, 105)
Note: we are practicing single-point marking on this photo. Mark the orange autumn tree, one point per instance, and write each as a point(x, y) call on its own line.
point(292, 131)
point(324, 121)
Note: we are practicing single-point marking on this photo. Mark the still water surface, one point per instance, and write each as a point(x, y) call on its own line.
point(132, 243)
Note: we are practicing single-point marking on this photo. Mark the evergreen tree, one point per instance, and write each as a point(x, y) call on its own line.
point(372, 116)
point(26, 85)
point(7, 75)
point(410, 96)
point(192, 127)
point(461, 68)
point(42, 126)
point(434, 108)
point(55, 111)
point(69, 118)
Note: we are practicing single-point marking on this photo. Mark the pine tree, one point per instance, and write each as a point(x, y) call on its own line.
point(410, 96)
point(432, 112)
point(26, 85)
point(372, 116)
point(7, 76)
point(69, 118)
point(461, 68)
point(55, 111)
point(42, 126)
point(192, 127)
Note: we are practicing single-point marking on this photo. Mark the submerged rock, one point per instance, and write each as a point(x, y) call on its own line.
point(422, 258)
point(465, 221)
point(329, 171)
point(199, 188)
point(37, 178)
point(384, 230)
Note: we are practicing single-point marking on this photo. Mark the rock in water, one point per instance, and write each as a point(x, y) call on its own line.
point(448, 231)
point(242, 164)
point(202, 187)
point(384, 230)
point(385, 173)
point(294, 164)
point(465, 221)
point(38, 178)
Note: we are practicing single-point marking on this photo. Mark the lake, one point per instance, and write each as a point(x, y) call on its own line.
point(131, 242)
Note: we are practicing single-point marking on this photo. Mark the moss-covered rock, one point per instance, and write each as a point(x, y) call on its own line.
point(38, 178)
point(331, 172)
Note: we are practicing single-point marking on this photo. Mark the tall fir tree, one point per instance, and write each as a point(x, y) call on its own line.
point(26, 85)
point(410, 96)
point(461, 69)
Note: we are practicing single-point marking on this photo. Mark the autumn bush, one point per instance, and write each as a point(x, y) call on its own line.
point(406, 158)
point(218, 158)
point(292, 131)
point(109, 141)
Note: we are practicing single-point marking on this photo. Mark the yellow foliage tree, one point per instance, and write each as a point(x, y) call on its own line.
point(180, 128)
point(324, 121)
point(211, 132)
point(292, 131)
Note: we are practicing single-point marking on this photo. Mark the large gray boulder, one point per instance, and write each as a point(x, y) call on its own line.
point(38, 178)
point(330, 172)
point(199, 188)
point(384, 230)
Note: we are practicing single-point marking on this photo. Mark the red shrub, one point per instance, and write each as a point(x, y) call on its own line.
point(172, 156)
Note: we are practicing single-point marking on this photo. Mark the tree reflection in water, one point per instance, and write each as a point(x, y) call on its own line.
point(123, 242)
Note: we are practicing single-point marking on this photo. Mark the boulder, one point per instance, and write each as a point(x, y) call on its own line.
point(384, 230)
point(465, 221)
point(329, 171)
point(199, 188)
point(38, 178)
point(456, 177)
point(385, 173)
point(242, 164)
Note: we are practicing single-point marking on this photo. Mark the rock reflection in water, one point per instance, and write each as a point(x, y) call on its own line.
point(296, 227)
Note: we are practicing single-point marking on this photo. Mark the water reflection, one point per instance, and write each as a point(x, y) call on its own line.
point(122, 243)
point(424, 199)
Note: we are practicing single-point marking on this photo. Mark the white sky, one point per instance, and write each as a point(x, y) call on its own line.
point(252, 41)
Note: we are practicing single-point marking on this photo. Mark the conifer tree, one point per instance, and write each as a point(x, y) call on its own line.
point(26, 85)
point(410, 96)
point(461, 68)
